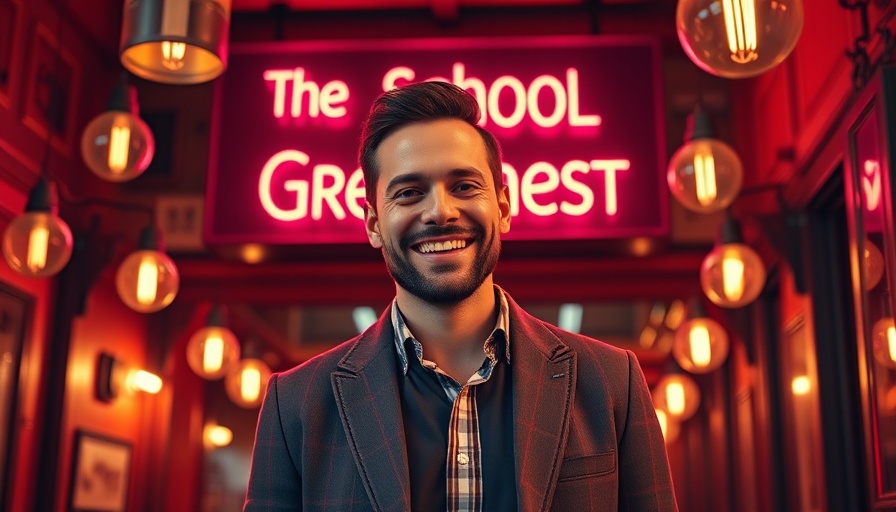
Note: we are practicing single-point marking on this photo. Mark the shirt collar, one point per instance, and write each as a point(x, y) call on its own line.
point(500, 332)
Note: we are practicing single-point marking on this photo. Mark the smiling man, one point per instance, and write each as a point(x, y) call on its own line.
point(456, 399)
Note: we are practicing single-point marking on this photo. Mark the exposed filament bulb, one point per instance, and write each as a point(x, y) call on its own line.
point(740, 27)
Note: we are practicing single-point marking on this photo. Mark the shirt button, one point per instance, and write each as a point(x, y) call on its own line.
point(462, 459)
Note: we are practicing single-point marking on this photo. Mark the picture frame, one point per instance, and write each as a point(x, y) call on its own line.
point(101, 471)
point(51, 90)
point(15, 316)
point(10, 11)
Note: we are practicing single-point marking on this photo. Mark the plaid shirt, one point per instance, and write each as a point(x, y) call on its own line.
point(464, 460)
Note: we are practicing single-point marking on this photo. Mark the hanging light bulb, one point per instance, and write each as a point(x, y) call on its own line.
point(705, 174)
point(874, 264)
point(732, 274)
point(214, 348)
point(678, 395)
point(246, 382)
point(738, 38)
point(38, 243)
point(117, 145)
point(147, 280)
point(175, 41)
point(701, 344)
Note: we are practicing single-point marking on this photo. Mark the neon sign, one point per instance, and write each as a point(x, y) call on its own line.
point(579, 121)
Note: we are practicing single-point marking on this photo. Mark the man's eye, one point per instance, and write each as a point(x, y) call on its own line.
point(407, 193)
point(466, 187)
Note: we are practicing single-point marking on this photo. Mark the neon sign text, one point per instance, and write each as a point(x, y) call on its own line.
point(329, 187)
point(566, 96)
point(327, 100)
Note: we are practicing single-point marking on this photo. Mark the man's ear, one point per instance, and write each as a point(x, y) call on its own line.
point(504, 208)
point(373, 227)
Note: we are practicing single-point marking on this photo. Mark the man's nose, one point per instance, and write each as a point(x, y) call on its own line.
point(440, 207)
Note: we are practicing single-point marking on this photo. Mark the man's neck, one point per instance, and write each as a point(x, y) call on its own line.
point(452, 335)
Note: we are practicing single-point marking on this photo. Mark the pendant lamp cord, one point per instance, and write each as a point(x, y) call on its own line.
point(54, 99)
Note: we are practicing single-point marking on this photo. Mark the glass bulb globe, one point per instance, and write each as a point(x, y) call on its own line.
point(117, 146)
point(37, 244)
point(883, 341)
point(677, 395)
point(732, 275)
point(147, 281)
point(738, 38)
point(874, 264)
point(211, 351)
point(705, 175)
point(701, 345)
point(246, 382)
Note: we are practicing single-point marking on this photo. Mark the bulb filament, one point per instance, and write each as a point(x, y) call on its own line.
point(213, 355)
point(250, 384)
point(119, 142)
point(173, 54)
point(733, 278)
point(740, 27)
point(699, 344)
point(705, 175)
point(147, 280)
point(38, 246)
point(675, 398)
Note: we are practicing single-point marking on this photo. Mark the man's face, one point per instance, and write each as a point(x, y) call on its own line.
point(438, 218)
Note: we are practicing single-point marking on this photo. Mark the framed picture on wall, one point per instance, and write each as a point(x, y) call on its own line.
point(51, 90)
point(15, 316)
point(101, 471)
point(9, 18)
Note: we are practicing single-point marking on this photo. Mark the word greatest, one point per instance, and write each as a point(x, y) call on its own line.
point(330, 189)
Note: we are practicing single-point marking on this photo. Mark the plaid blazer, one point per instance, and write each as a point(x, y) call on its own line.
point(330, 433)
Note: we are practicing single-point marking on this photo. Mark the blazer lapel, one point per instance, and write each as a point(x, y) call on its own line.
point(544, 376)
point(367, 396)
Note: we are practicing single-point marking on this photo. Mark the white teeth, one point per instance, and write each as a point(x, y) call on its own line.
point(442, 246)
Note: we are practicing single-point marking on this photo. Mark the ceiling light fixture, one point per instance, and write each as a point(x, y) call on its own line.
point(117, 145)
point(175, 41)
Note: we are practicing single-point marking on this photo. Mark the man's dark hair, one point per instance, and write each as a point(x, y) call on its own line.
point(425, 101)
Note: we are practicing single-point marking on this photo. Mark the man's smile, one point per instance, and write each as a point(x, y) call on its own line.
point(441, 246)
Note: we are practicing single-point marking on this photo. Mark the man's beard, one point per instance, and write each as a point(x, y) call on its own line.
point(433, 289)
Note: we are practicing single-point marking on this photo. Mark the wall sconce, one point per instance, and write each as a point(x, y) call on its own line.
point(678, 395)
point(705, 174)
point(38, 243)
point(147, 280)
point(216, 436)
point(732, 275)
point(214, 348)
point(701, 344)
point(175, 41)
point(738, 38)
point(246, 382)
point(113, 377)
point(117, 145)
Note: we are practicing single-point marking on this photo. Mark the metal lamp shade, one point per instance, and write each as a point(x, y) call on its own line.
point(175, 41)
